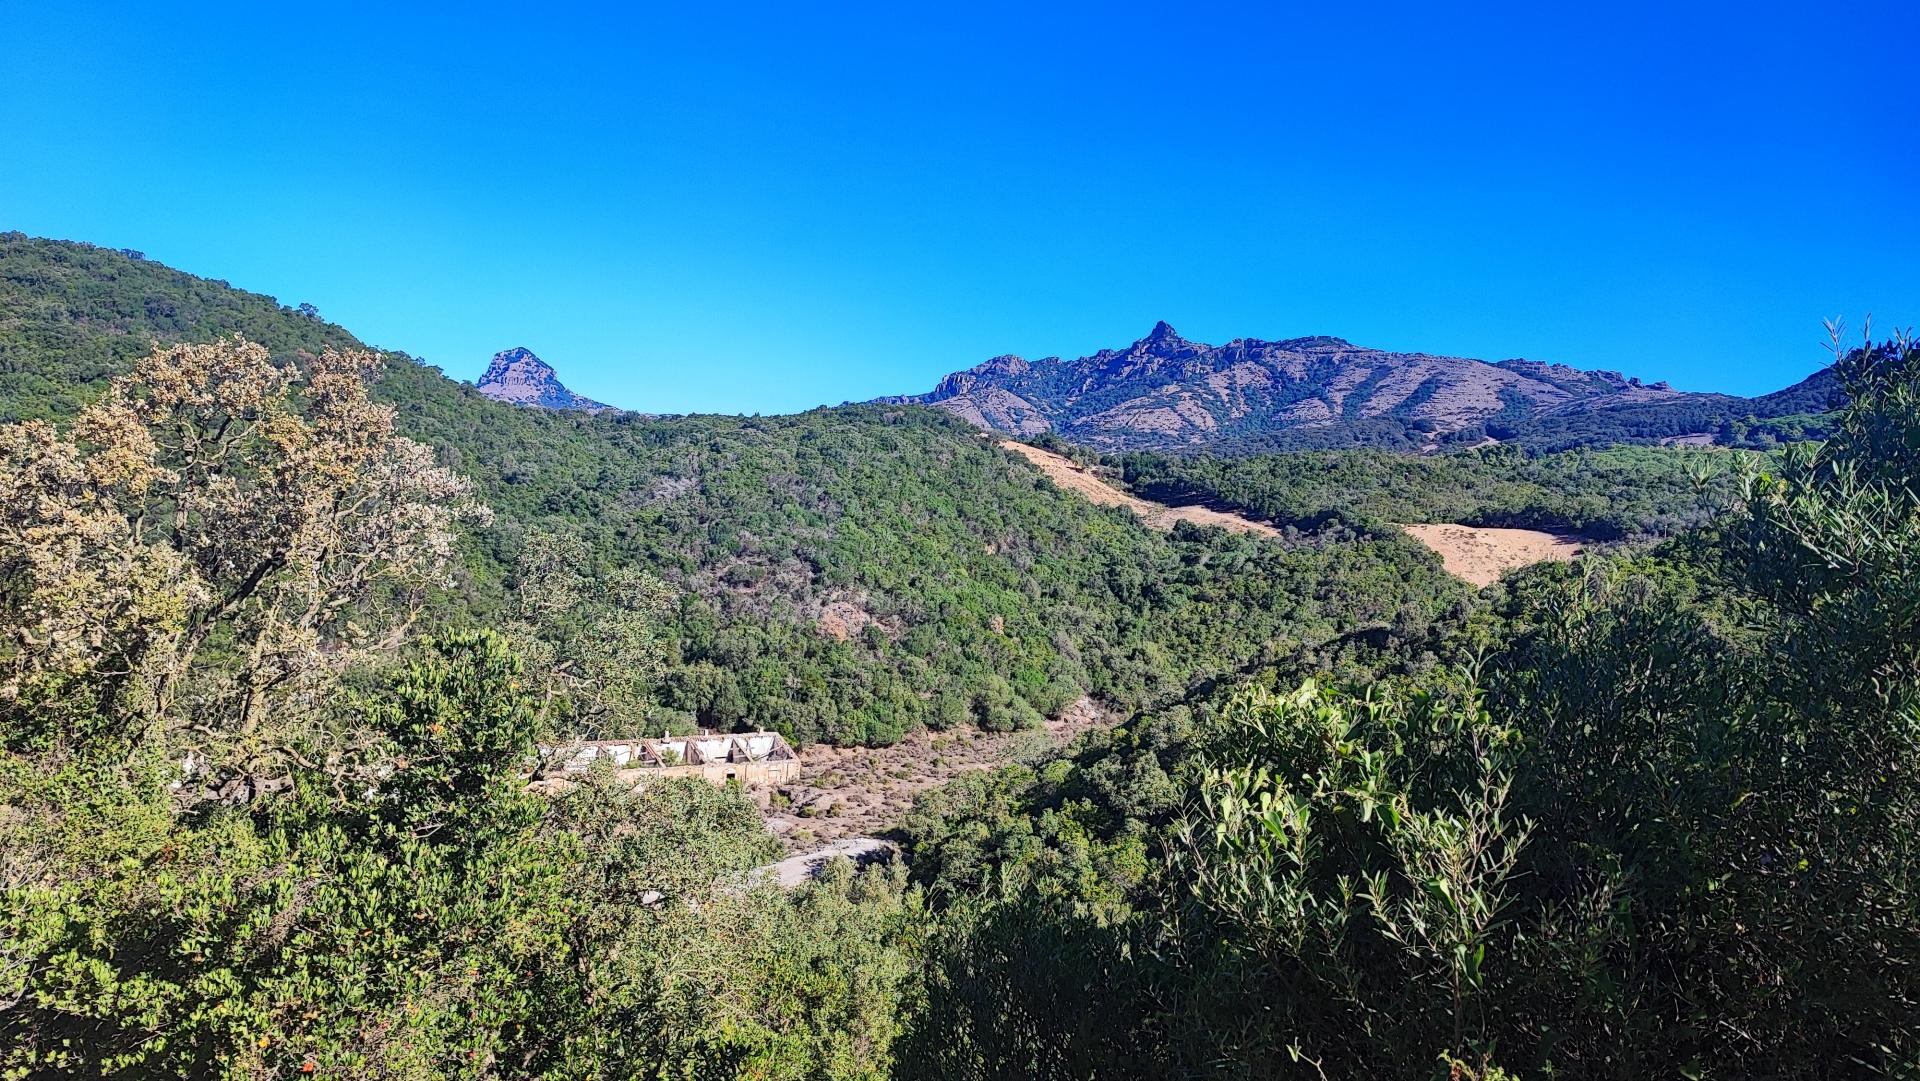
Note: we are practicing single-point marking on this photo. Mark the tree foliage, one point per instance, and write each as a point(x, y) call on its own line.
point(1649, 814)
point(390, 898)
point(446, 923)
point(1613, 494)
point(209, 543)
point(1663, 825)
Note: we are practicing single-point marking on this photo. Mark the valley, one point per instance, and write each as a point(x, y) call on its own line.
point(846, 792)
point(1121, 758)
point(713, 561)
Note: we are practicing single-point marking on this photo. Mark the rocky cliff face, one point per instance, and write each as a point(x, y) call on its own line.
point(1165, 391)
point(518, 376)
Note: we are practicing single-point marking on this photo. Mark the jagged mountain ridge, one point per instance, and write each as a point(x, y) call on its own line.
point(518, 376)
point(1165, 392)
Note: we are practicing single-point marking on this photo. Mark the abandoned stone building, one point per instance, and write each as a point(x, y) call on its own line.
point(752, 759)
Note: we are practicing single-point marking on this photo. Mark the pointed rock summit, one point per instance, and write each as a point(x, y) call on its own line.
point(518, 376)
point(1164, 342)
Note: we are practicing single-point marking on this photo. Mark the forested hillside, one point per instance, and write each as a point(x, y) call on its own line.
point(843, 575)
point(73, 315)
point(1606, 494)
point(285, 626)
point(852, 574)
point(1651, 816)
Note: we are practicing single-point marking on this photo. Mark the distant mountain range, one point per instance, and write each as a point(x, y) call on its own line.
point(1165, 392)
point(518, 376)
point(72, 315)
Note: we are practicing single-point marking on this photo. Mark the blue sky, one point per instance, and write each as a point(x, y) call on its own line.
point(763, 208)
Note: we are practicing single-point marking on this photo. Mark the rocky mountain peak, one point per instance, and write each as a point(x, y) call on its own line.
point(519, 376)
point(1164, 341)
point(518, 361)
point(1166, 392)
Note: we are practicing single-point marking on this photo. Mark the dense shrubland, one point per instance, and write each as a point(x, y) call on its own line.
point(271, 679)
point(973, 591)
point(1653, 816)
point(964, 588)
point(1624, 492)
point(257, 826)
point(440, 922)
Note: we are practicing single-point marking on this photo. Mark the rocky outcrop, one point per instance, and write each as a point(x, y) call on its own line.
point(1165, 391)
point(518, 376)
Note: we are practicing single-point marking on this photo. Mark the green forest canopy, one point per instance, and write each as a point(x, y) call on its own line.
point(1650, 814)
point(983, 595)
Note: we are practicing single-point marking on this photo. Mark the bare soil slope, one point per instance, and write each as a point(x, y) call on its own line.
point(1074, 477)
point(1481, 555)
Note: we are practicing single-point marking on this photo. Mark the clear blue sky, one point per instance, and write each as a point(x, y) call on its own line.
point(743, 208)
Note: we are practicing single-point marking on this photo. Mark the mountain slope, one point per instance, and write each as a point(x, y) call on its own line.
point(518, 376)
point(72, 315)
point(1165, 392)
point(845, 575)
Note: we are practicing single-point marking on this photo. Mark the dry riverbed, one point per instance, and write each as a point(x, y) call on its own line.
point(858, 791)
